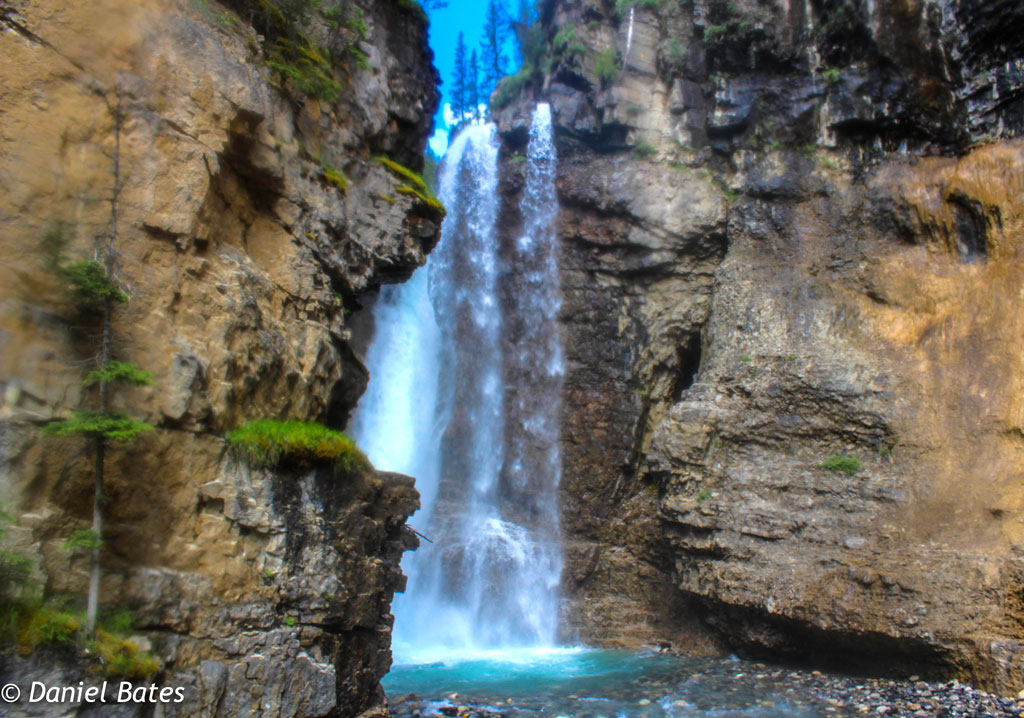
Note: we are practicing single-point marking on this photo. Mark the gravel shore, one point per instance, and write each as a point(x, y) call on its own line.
point(729, 689)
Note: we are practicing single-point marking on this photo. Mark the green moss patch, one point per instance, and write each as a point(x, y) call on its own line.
point(267, 442)
point(42, 627)
point(416, 187)
point(402, 172)
point(336, 178)
point(122, 658)
point(842, 464)
point(35, 626)
point(430, 201)
point(606, 66)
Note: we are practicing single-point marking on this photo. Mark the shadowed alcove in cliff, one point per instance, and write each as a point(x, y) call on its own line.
point(688, 354)
point(971, 231)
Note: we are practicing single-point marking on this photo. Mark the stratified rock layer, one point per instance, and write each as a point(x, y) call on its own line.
point(790, 232)
point(264, 593)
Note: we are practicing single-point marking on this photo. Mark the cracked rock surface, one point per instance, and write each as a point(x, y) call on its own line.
point(263, 593)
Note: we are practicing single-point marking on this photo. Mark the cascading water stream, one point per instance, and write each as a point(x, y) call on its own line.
point(465, 398)
point(629, 40)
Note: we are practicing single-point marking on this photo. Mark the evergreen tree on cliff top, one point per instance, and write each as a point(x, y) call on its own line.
point(460, 82)
point(474, 85)
point(492, 56)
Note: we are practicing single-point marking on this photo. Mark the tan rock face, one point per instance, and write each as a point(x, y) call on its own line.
point(241, 259)
point(778, 248)
point(871, 347)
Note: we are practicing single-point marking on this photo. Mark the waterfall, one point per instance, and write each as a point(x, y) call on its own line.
point(534, 369)
point(465, 376)
point(397, 424)
point(629, 40)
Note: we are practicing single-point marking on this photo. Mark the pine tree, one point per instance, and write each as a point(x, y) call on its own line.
point(491, 47)
point(91, 287)
point(528, 34)
point(460, 81)
point(474, 85)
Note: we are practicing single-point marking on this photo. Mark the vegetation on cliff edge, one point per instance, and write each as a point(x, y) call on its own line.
point(266, 442)
point(417, 187)
point(29, 623)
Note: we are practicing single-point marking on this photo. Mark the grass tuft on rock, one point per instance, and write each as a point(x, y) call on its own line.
point(37, 626)
point(842, 464)
point(122, 658)
point(336, 178)
point(416, 187)
point(267, 442)
point(403, 172)
point(430, 201)
point(606, 66)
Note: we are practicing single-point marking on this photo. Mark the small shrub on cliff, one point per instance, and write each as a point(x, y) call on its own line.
point(107, 425)
point(85, 280)
point(121, 658)
point(33, 625)
point(296, 46)
point(842, 464)
point(308, 66)
point(509, 87)
point(622, 7)
point(565, 43)
point(714, 33)
point(432, 202)
point(15, 567)
point(606, 66)
point(267, 442)
point(44, 627)
point(644, 150)
point(118, 371)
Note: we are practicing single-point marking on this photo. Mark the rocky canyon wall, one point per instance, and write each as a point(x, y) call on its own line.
point(250, 218)
point(791, 240)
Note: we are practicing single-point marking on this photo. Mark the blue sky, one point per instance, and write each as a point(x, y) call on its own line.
point(466, 16)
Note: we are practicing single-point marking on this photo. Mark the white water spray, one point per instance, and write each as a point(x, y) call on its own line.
point(629, 39)
point(465, 398)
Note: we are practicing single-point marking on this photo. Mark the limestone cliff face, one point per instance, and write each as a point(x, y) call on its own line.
point(264, 593)
point(792, 231)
